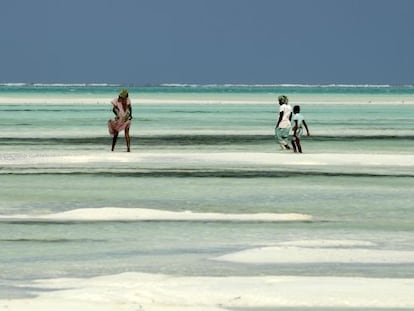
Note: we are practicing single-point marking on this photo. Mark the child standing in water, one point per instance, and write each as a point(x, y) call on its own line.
point(297, 129)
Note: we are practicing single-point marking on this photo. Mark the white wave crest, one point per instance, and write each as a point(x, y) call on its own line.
point(142, 214)
point(24, 84)
point(281, 85)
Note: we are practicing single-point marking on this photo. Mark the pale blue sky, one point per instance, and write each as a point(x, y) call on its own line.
point(207, 41)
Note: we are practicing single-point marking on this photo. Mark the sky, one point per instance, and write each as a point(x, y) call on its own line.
point(207, 41)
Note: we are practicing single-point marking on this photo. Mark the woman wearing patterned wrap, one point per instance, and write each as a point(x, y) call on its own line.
point(123, 115)
point(283, 124)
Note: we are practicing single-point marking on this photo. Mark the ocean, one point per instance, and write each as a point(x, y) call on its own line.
point(206, 212)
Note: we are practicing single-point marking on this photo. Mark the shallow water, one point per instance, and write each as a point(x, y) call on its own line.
point(354, 179)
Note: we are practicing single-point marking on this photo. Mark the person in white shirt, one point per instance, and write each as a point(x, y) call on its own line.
point(297, 129)
point(283, 124)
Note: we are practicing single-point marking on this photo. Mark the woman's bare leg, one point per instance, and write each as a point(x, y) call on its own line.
point(128, 139)
point(114, 140)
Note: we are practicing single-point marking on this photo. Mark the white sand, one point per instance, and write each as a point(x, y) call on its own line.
point(320, 252)
point(303, 255)
point(213, 159)
point(142, 214)
point(327, 243)
point(138, 291)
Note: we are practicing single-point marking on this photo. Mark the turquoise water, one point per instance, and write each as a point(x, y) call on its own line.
point(346, 203)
